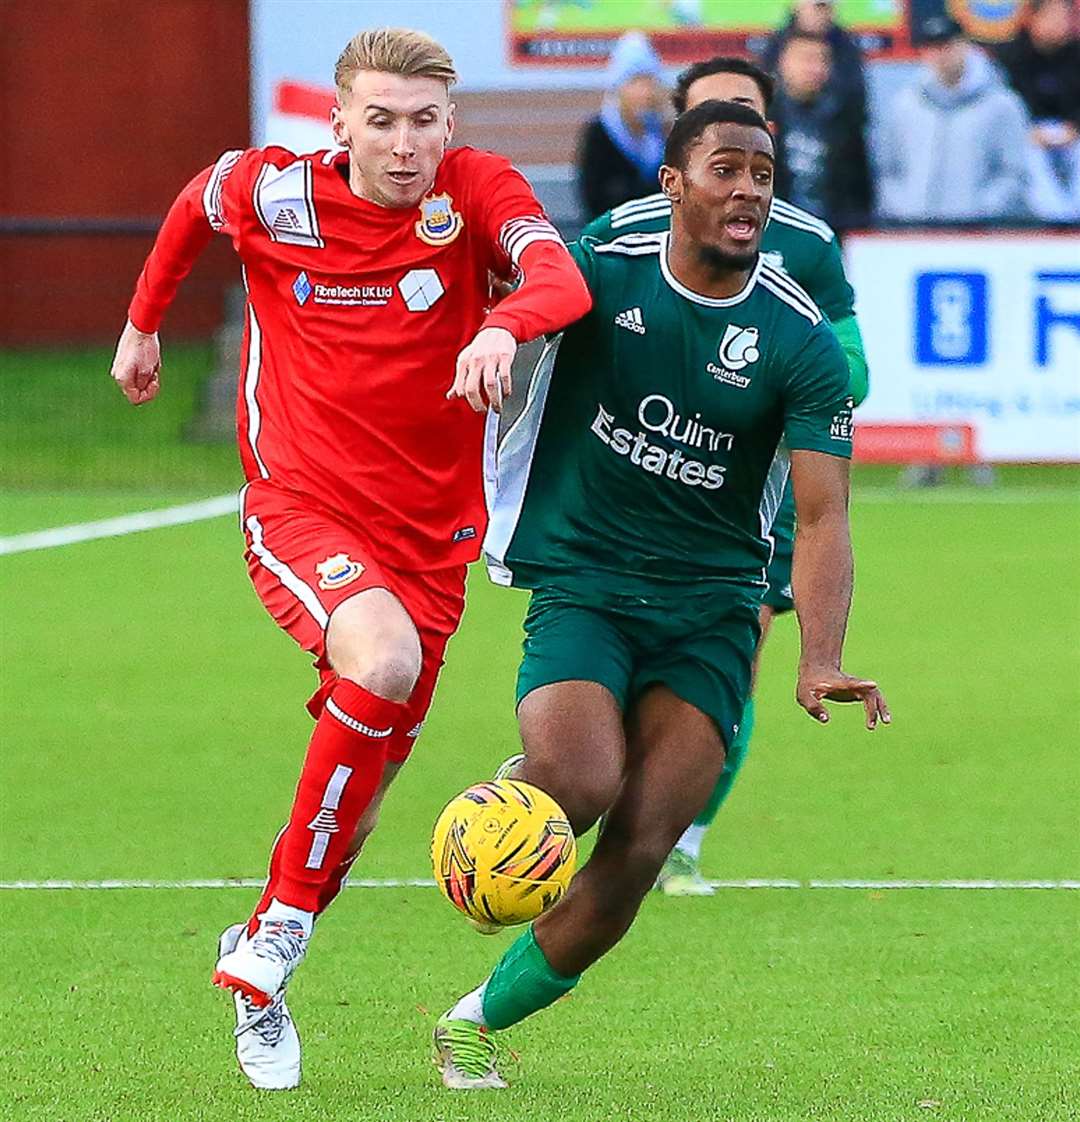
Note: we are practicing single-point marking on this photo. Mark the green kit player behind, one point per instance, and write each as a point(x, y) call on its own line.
point(634, 495)
point(807, 250)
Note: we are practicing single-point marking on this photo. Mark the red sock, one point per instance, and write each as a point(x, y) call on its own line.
point(334, 884)
point(342, 770)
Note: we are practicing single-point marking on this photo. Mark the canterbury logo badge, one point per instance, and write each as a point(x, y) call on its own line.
point(632, 320)
point(739, 347)
point(337, 571)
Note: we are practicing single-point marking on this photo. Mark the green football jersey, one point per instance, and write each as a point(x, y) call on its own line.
point(793, 239)
point(652, 447)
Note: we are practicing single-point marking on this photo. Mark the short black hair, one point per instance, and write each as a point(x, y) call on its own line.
point(723, 64)
point(690, 125)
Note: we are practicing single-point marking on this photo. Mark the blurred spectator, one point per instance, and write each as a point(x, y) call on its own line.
point(821, 147)
point(954, 147)
point(1043, 64)
point(816, 17)
point(621, 150)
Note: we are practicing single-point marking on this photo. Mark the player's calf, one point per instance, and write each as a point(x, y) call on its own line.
point(602, 902)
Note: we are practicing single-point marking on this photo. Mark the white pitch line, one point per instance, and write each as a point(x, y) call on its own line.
point(967, 885)
point(227, 504)
point(117, 527)
point(418, 882)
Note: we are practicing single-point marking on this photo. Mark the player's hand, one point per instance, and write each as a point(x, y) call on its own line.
point(818, 684)
point(483, 369)
point(137, 364)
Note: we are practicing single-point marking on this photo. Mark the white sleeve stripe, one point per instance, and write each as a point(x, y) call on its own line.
point(637, 241)
point(769, 282)
point(802, 219)
point(537, 228)
point(510, 229)
point(523, 241)
point(786, 219)
point(256, 202)
point(660, 211)
point(309, 200)
point(518, 233)
point(516, 224)
point(808, 307)
point(639, 250)
point(794, 211)
point(646, 202)
point(525, 218)
point(793, 288)
point(211, 196)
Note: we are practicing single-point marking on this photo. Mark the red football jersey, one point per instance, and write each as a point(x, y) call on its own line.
point(355, 316)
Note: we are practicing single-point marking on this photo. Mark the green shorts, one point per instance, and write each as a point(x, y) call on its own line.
point(778, 595)
point(700, 646)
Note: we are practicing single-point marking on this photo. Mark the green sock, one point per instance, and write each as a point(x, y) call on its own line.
point(735, 758)
point(522, 983)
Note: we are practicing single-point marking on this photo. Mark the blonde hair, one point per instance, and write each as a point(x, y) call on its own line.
point(393, 50)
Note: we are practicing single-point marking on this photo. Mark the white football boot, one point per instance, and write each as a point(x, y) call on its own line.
point(261, 966)
point(267, 1043)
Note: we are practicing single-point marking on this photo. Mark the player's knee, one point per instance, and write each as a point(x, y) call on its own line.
point(372, 640)
point(391, 674)
point(583, 797)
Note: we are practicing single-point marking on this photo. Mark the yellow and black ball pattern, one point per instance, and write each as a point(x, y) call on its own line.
point(503, 852)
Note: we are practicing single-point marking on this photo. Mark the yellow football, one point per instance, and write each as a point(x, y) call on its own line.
point(503, 852)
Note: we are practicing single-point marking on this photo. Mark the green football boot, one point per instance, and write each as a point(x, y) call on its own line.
point(681, 876)
point(465, 1056)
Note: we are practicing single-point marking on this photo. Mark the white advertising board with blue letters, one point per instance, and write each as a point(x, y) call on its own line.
point(974, 328)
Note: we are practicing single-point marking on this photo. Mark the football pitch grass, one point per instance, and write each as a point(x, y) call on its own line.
point(153, 726)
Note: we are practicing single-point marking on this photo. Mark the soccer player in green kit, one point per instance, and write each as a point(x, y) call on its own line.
point(807, 250)
point(634, 495)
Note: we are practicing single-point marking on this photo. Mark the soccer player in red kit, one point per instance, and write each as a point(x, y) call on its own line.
point(367, 277)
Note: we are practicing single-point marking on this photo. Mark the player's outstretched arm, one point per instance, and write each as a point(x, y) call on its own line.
point(822, 575)
point(137, 364)
point(551, 296)
point(183, 236)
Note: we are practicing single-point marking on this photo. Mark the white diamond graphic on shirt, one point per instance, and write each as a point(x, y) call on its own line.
point(420, 288)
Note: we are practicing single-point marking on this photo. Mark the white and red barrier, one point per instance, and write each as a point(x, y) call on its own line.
point(973, 340)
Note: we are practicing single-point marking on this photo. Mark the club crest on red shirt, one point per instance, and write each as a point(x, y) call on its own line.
point(439, 223)
point(338, 571)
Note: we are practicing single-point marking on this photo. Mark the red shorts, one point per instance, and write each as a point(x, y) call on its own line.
point(303, 563)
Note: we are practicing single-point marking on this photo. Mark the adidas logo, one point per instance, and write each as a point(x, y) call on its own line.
point(286, 220)
point(632, 320)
